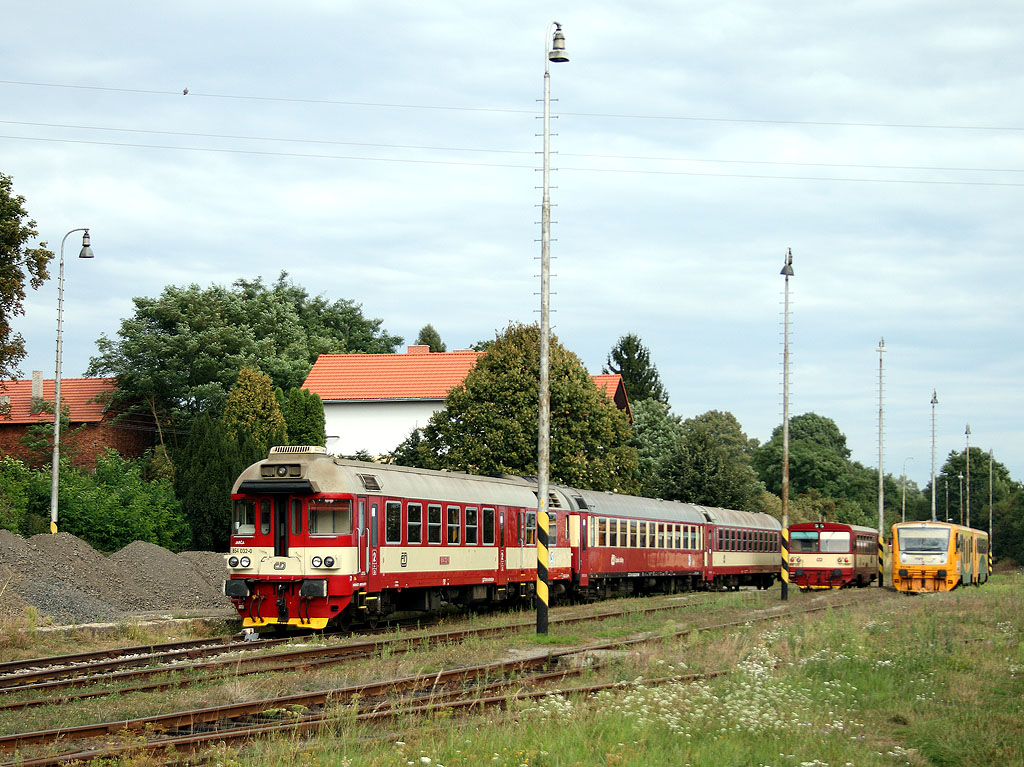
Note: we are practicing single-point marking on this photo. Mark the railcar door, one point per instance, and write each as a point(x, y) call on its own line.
point(281, 526)
point(502, 543)
point(362, 537)
point(373, 548)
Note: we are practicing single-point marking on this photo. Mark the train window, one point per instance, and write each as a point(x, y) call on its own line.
point(330, 516)
point(433, 523)
point(454, 523)
point(552, 530)
point(245, 517)
point(265, 516)
point(472, 522)
point(392, 522)
point(602, 531)
point(661, 535)
point(531, 528)
point(633, 526)
point(296, 516)
point(488, 532)
point(414, 523)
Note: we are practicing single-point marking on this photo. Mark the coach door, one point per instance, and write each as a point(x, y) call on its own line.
point(281, 526)
point(362, 534)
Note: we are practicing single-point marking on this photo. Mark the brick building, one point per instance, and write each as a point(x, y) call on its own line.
point(85, 398)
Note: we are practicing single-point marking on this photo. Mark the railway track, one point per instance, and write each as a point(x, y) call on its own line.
point(458, 689)
point(170, 661)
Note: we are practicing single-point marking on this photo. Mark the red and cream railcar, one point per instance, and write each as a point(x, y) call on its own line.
point(743, 548)
point(627, 544)
point(318, 540)
point(832, 555)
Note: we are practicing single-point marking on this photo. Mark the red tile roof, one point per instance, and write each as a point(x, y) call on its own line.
point(76, 393)
point(416, 375)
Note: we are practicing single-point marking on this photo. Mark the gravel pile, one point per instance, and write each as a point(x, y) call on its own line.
point(68, 581)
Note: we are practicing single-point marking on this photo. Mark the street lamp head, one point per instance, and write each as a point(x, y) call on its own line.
point(86, 249)
point(967, 431)
point(935, 398)
point(557, 52)
point(787, 269)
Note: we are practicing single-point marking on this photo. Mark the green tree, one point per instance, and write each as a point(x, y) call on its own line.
point(430, 337)
point(632, 360)
point(114, 505)
point(655, 432)
point(252, 411)
point(205, 471)
point(304, 418)
point(489, 424)
point(179, 354)
point(18, 263)
point(710, 464)
point(15, 479)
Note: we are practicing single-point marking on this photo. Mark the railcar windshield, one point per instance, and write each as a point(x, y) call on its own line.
point(923, 540)
point(245, 517)
point(814, 541)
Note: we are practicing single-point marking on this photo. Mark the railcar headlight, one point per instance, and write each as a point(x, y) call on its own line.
point(232, 561)
point(328, 561)
point(316, 561)
point(244, 561)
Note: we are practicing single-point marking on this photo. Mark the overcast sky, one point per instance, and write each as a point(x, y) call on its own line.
point(388, 153)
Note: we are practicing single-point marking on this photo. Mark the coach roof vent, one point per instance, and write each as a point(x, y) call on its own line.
point(312, 449)
point(370, 481)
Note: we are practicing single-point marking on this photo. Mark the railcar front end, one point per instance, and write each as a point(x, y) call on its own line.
point(832, 555)
point(930, 557)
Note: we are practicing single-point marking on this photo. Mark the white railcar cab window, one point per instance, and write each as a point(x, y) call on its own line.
point(330, 516)
point(392, 522)
point(265, 516)
point(245, 517)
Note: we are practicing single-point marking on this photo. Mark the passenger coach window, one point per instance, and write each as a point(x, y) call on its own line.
point(633, 525)
point(433, 524)
point(454, 522)
point(296, 515)
point(392, 522)
point(414, 523)
point(330, 516)
point(245, 517)
point(471, 526)
point(265, 517)
point(488, 535)
point(602, 532)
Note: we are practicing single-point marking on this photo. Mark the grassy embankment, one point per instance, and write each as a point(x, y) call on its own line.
point(932, 680)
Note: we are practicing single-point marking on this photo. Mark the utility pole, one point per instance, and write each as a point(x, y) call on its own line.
point(935, 401)
point(881, 488)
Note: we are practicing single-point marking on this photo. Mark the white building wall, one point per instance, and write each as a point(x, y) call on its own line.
point(376, 427)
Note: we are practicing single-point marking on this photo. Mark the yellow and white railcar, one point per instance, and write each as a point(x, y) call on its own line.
point(937, 556)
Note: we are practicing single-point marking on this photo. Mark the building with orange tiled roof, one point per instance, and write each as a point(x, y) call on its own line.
point(27, 402)
point(373, 401)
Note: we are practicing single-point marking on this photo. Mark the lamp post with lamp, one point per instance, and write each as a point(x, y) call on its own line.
point(557, 54)
point(86, 252)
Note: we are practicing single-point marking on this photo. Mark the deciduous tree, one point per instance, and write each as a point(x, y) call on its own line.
point(19, 265)
point(489, 425)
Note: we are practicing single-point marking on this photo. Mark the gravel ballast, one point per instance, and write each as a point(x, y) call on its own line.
point(67, 581)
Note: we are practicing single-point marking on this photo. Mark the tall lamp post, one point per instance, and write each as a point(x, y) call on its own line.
point(787, 272)
point(557, 54)
point(86, 252)
point(967, 432)
point(904, 516)
point(881, 486)
point(935, 401)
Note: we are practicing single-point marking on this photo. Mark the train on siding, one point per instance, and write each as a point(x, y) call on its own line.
point(937, 556)
point(318, 540)
point(832, 555)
